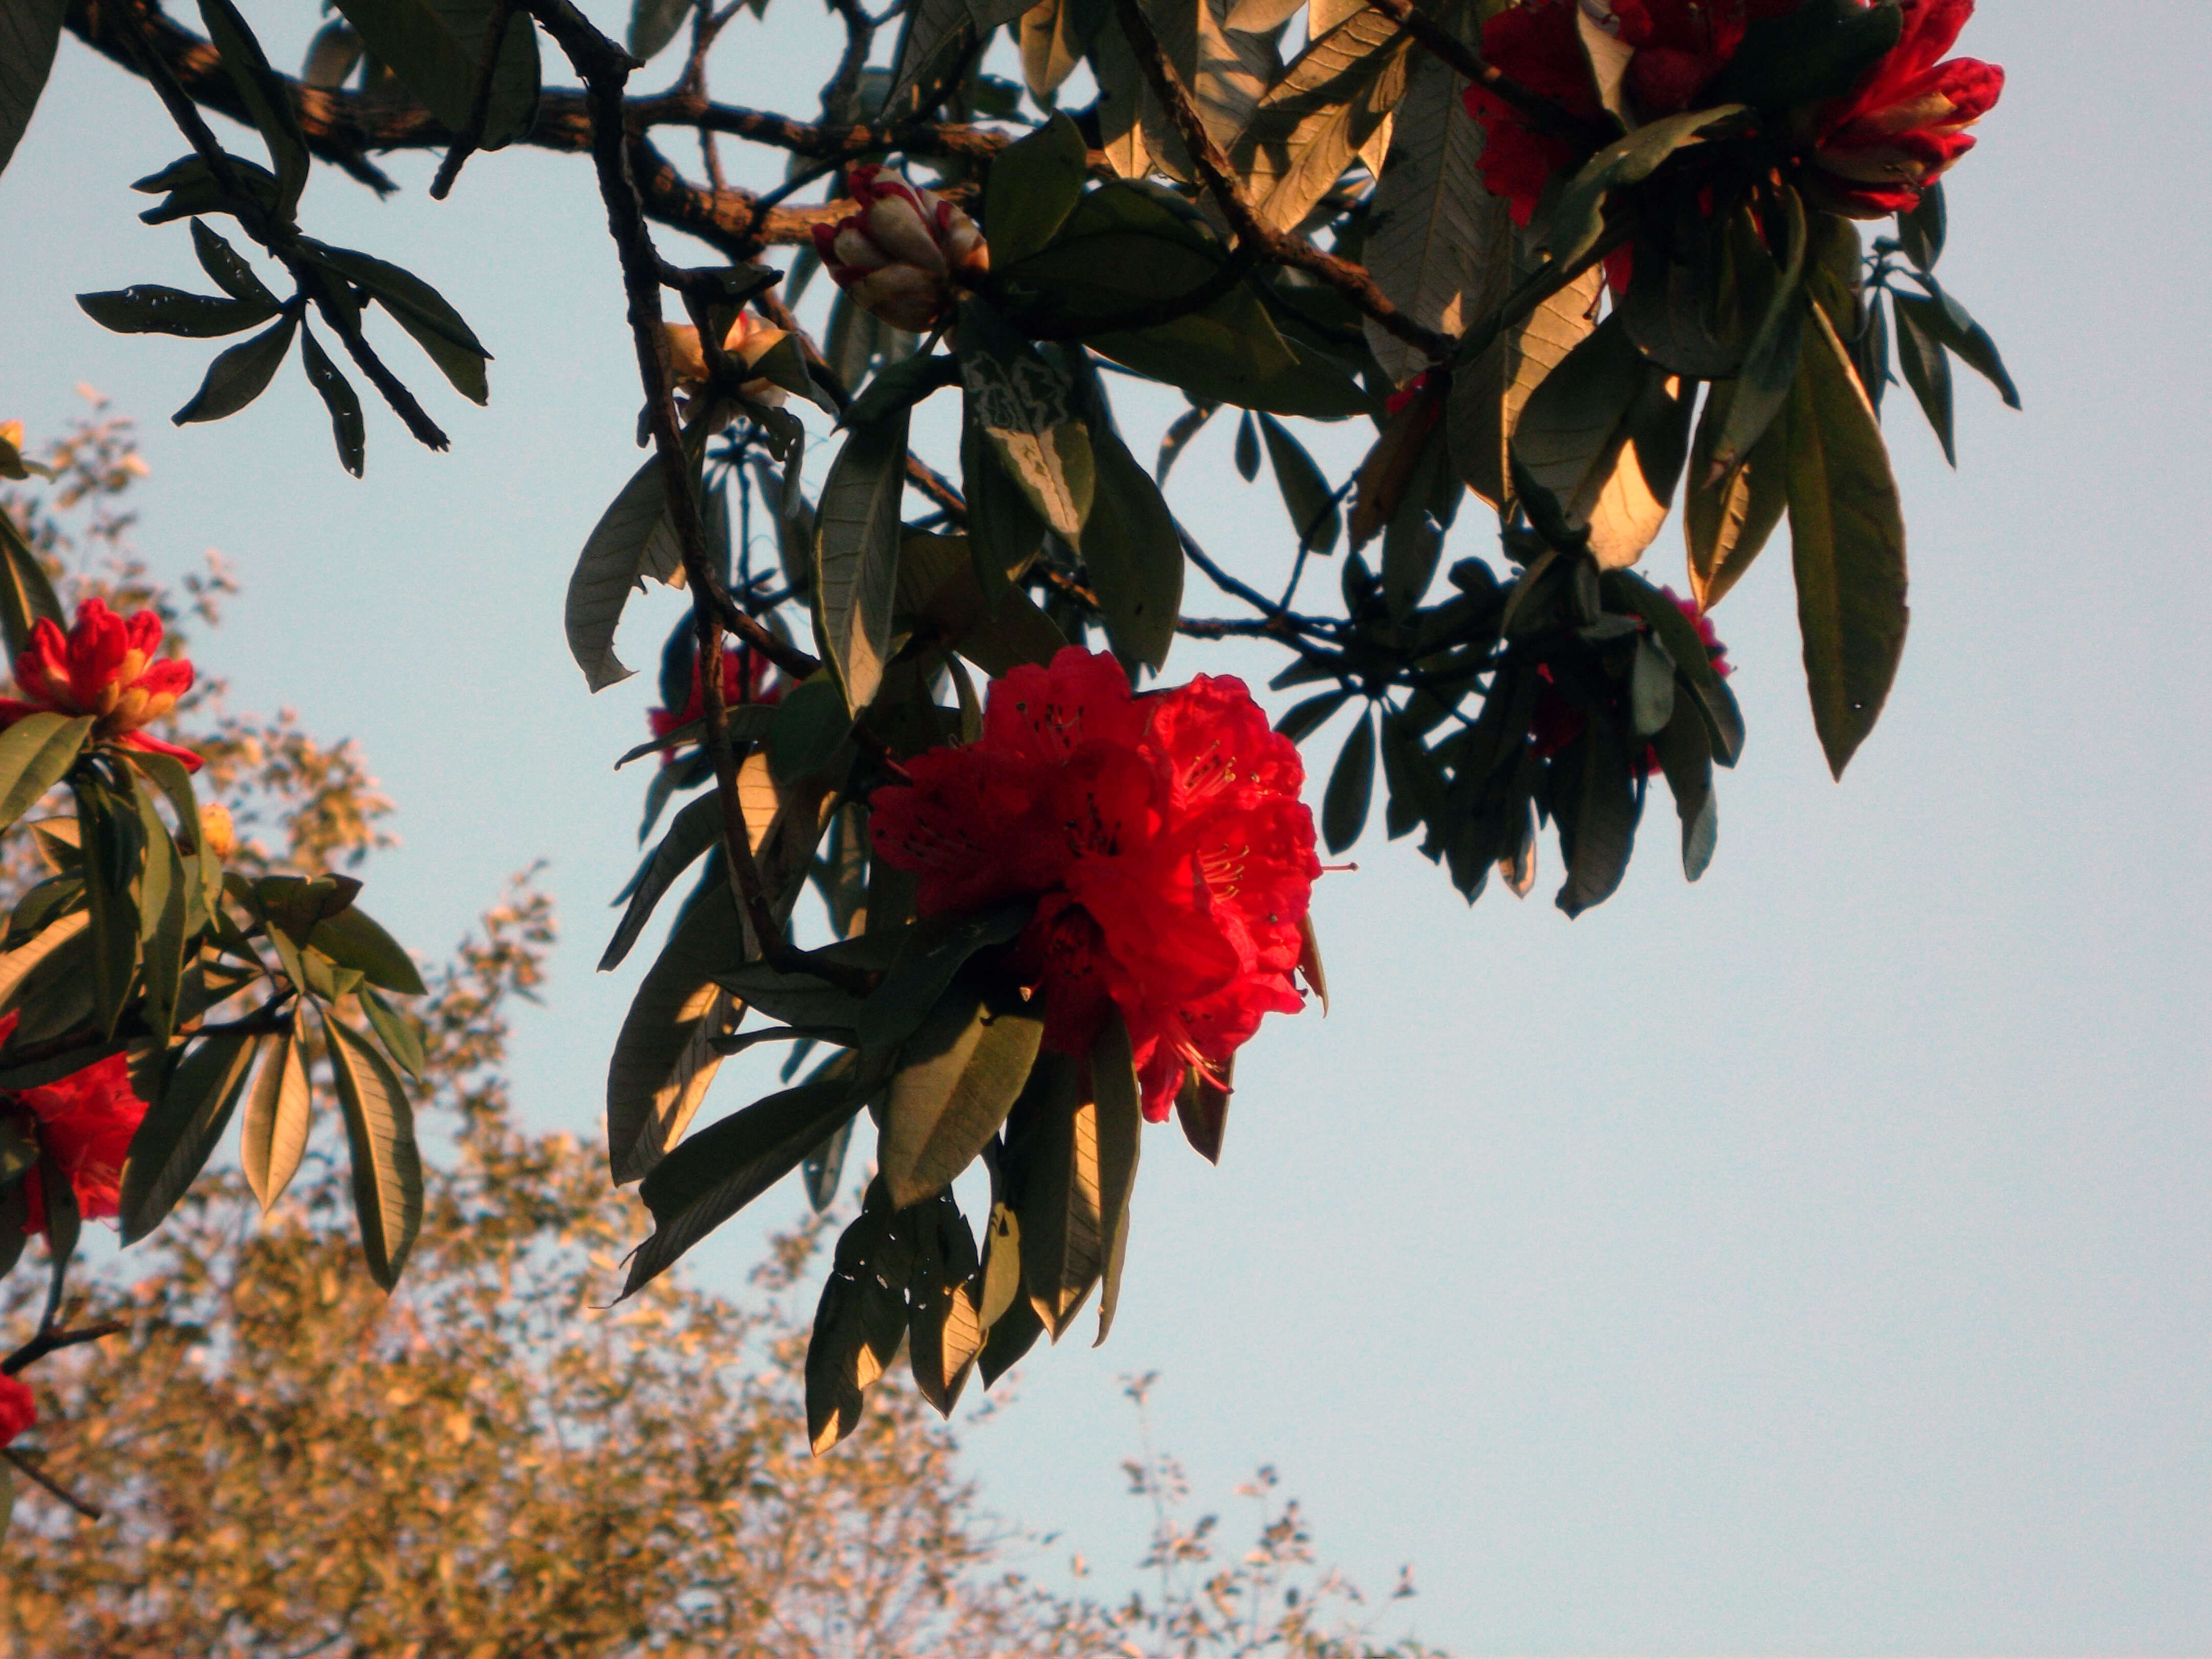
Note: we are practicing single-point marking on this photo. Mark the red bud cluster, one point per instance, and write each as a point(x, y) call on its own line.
point(108, 666)
point(903, 252)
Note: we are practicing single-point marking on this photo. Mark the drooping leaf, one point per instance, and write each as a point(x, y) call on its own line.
point(1120, 1106)
point(433, 47)
point(29, 32)
point(1133, 553)
point(1729, 515)
point(180, 1130)
point(27, 594)
point(654, 23)
point(1033, 187)
point(444, 338)
point(387, 1170)
point(859, 1321)
point(1578, 217)
point(267, 99)
point(1328, 105)
point(1685, 756)
point(1597, 814)
point(633, 539)
point(35, 752)
point(240, 376)
point(945, 1324)
point(1927, 369)
point(340, 399)
point(351, 937)
point(1488, 396)
point(697, 827)
point(1026, 407)
point(1307, 496)
point(1351, 786)
point(1052, 1156)
point(274, 1133)
point(1847, 547)
point(957, 1078)
point(856, 540)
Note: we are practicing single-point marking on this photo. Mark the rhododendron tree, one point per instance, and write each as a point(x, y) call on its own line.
point(1586, 261)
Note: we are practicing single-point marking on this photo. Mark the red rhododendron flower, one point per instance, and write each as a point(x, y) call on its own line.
point(1537, 44)
point(744, 680)
point(18, 1411)
point(84, 1123)
point(106, 665)
point(1162, 836)
point(1556, 722)
point(901, 253)
point(1906, 124)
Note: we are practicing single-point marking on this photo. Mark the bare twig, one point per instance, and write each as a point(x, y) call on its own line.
point(53, 1339)
point(29, 1466)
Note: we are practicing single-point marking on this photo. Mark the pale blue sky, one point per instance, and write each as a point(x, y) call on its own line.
point(1816, 1259)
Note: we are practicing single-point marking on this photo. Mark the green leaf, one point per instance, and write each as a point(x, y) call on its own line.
point(352, 939)
point(1133, 553)
point(417, 306)
point(1921, 229)
point(957, 1077)
point(113, 849)
point(1351, 786)
point(1247, 448)
point(35, 753)
point(191, 188)
point(902, 385)
point(399, 1032)
point(633, 539)
point(664, 1057)
point(859, 1321)
point(339, 397)
point(180, 1130)
point(717, 1172)
point(239, 376)
point(29, 32)
point(1761, 388)
point(1032, 188)
point(1004, 530)
point(1625, 590)
point(1121, 1119)
point(1946, 321)
point(149, 308)
point(1305, 719)
point(932, 952)
point(1729, 514)
point(1026, 407)
point(228, 269)
point(387, 1170)
point(654, 23)
point(1600, 447)
point(1052, 1165)
point(1002, 1264)
point(163, 903)
point(25, 593)
point(1326, 107)
point(1417, 790)
point(1927, 369)
point(1847, 547)
point(1225, 354)
point(856, 542)
point(432, 45)
point(697, 827)
point(944, 1325)
point(64, 1225)
point(1596, 810)
point(1812, 52)
point(266, 95)
point(274, 1133)
point(1685, 756)
point(1307, 496)
point(810, 724)
point(1650, 688)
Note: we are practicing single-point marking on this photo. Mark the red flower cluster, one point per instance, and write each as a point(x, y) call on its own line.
point(899, 255)
point(18, 1411)
point(1876, 147)
point(1164, 842)
point(744, 680)
point(106, 665)
point(84, 1123)
point(1556, 722)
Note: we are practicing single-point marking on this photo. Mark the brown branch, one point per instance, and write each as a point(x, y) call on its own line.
point(53, 1340)
point(29, 1466)
point(1219, 177)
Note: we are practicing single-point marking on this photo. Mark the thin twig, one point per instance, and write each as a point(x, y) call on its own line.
point(29, 1466)
point(52, 1340)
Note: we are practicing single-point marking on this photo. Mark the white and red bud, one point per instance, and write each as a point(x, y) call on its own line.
point(904, 251)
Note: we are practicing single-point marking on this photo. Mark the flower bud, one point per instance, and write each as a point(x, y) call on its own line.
point(903, 252)
point(217, 833)
point(749, 340)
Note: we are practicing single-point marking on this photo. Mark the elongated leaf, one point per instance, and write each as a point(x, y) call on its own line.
point(163, 902)
point(1307, 496)
point(444, 338)
point(398, 1031)
point(693, 830)
point(1847, 547)
point(1054, 35)
point(1120, 1106)
point(717, 1172)
point(859, 1321)
point(29, 32)
point(228, 269)
point(1026, 407)
point(856, 541)
point(1134, 555)
point(1596, 812)
point(1487, 396)
point(239, 376)
point(35, 753)
point(632, 540)
point(152, 309)
point(432, 45)
point(180, 1130)
point(1227, 73)
point(274, 1133)
point(1927, 369)
point(1052, 1154)
point(1685, 754)
point(27, 594)
point(353, 940)
point(1625, 591)
point(1033, 187)
point(936, 33)
point(1577, 218)
point(958, 1077)
point(15, 967)
point(1439, 245)
point(1729, 516)
point(267, 99)
point(1770, 364)
point(387, 1170)
point(664, 1058)
point(945, 1323)
point(1329, 104)
point(1351, 786)
point(340, 399)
